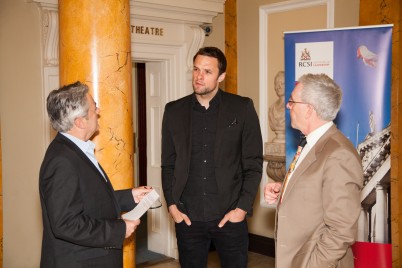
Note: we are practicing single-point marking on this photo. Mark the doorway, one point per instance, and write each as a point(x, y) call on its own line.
point(165, 80)
point(148, 103)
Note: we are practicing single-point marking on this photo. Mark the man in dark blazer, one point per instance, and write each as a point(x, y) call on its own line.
point(211, 165)
point(319, 205)
point(82, 226)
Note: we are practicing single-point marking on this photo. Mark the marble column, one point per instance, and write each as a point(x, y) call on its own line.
point(95, 49)
point(381, 214)
point(362, 226)
point(231, 45)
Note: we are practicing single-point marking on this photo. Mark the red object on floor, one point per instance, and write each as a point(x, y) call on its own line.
point(372, 255)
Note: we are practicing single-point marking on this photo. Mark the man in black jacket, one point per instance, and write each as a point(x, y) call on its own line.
point(211, 165)
point(81, 212)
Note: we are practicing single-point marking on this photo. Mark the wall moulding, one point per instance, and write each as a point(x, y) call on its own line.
point(50, 35)
point(186, 11)
point(178, 12)
point(190, 11)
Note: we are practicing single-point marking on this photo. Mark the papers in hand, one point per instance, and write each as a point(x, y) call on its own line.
point(142, 206)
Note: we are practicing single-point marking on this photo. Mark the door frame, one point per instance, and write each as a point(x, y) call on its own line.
point(174, 60)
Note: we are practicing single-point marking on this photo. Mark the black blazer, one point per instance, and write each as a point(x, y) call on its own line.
point(238, 151)
point(80, 210)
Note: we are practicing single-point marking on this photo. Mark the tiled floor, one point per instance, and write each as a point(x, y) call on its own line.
point(254, 261)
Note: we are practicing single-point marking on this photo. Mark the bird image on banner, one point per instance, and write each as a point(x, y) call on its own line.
point(368, 57)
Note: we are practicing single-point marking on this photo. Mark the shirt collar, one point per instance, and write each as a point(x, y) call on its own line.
point(85, 146)
point(212, 103)
point(314, 136)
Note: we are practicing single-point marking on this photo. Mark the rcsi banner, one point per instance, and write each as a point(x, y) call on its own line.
point(359, 60)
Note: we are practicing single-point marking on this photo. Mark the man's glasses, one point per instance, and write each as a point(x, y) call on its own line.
point(157, 204)
point(291, 102)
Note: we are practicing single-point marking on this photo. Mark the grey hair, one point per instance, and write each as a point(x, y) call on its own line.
point(66, 104)
point(322, 93)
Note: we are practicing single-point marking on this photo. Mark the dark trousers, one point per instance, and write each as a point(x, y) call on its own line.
point(231, 243)
point(113, 260)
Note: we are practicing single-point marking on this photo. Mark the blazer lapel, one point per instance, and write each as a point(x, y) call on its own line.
point(79, 152)
point(88, 162)
point(111, 192)
point(309, 159)
point(220, 129)
point(303, 166)
point(187, 127)
point(225, 117)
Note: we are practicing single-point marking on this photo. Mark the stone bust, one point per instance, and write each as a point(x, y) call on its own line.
point(276, 113)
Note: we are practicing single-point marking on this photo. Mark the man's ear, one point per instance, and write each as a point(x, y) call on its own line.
point(80, 122)
point(310, 110)
point(221, 77)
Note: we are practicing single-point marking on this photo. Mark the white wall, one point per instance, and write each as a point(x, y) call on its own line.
point(22, 131)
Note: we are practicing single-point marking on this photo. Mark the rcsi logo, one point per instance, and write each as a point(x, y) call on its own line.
point(305, 58)
point(305, 55)
point(314, 57)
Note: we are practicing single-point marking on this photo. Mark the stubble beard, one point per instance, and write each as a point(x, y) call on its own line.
point(203, 91)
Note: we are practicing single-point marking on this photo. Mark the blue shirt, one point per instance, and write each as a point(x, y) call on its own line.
point(88, 148)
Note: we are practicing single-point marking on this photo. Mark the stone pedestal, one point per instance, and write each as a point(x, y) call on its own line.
point(275, 156)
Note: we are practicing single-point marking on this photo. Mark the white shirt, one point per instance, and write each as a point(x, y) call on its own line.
point(88, 148)
point(312, 139)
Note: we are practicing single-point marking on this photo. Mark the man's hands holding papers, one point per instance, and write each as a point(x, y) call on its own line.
point(140, 192)
point(146, 197)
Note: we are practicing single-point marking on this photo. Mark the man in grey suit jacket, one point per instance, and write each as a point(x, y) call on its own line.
point(318, 209)
point(82, 226)
point(211, 165)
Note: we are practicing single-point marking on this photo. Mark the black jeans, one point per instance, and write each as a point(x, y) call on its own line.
point(231, 243)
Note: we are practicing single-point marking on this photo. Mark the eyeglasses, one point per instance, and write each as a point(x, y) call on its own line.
point(291, 102)
point(156, 205)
